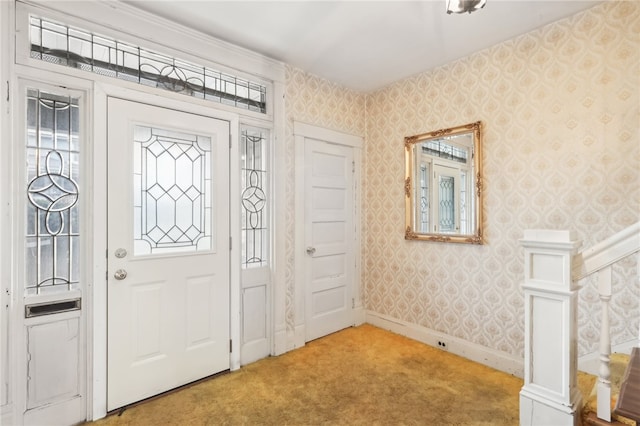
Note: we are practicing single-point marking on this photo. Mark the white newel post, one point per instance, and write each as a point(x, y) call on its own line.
point(550, 394)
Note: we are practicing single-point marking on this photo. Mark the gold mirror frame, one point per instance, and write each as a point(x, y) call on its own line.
point(476, 184)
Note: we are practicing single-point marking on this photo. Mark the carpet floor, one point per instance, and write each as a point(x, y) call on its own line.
point(359, 376)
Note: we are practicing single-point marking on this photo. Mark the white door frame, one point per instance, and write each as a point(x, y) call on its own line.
point(23, 77)
point(303, 131)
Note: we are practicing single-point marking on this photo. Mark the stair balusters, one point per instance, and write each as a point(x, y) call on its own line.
point(604, 371)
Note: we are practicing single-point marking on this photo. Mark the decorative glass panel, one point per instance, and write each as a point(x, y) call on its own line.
point(464, 197)
point(441, 149)
point(424, 198)
point(52, 190)
point(172, 191)
point(255, 234)
point(447, 216)
point(77, 48)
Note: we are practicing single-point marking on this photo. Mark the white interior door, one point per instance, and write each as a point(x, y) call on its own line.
point(329, 237)
point(168, 256)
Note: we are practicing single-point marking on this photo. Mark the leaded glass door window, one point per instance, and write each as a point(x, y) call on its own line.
point(172, 181)
point(52, 238)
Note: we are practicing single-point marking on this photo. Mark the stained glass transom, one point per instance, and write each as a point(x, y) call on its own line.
point(440, 148)
point(52, 191)
point(78, 48)
point(172, 191)
point(255, 232)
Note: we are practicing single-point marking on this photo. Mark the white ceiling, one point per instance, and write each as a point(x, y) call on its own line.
point(363, 45)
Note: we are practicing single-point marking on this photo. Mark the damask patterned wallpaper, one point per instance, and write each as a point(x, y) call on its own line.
point(561, 114)
point(316, 101)
point(560, 108)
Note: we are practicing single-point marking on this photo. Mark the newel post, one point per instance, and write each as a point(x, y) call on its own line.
point(550, 394)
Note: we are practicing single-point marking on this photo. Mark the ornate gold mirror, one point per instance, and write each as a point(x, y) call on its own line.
point(443, 185)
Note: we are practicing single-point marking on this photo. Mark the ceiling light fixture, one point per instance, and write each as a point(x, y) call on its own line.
point(462, 6)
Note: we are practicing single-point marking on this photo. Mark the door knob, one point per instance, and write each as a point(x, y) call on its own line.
point(311, 250)
point(120, 274)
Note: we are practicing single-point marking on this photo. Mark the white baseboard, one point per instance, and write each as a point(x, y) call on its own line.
point(253, 351)
point(590, 363)
point(299, 336)
point(359, 316)
point(478, 353)
point(6, 415)
point(279, 342)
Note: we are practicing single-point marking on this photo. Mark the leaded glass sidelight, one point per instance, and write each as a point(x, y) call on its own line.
point(255, 233)
point(52, 190)
point(172, 191)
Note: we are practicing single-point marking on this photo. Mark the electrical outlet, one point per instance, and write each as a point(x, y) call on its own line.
point(442, 345)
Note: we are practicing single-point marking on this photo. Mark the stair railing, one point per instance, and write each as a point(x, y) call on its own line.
point(599, 260)
point(553, 267)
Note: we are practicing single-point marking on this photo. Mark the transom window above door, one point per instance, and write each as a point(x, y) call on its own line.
point(61, 44)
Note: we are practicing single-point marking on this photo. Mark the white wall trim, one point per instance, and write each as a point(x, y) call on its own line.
point(278, 297)
point(7, 378)
point(327, 135)
point(478, 353)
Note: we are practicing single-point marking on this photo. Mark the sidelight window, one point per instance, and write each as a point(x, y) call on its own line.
point(53, 192)
point(255, 231)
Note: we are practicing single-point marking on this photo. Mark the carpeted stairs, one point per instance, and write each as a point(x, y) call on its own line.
point(588, 387)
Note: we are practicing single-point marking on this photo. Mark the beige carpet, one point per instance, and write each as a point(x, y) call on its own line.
point(359, 376)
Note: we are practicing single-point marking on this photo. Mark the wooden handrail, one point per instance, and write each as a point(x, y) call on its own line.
point(606, 252)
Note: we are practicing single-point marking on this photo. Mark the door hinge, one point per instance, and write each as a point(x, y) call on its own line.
point(7, 90)
point(353, 303)
point(230, 141)
point(230, 346)
point(230, 243)
point(353, 167)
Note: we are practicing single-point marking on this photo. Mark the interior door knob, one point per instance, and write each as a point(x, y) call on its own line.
point(120, 274)
point(311, 250)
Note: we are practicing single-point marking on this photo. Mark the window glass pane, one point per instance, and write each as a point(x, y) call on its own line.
point(447, 204)
point(464, 212)
point(255, 231)
point(172, 184)
point(52, 190)
point(78, 48)
point(424, 198)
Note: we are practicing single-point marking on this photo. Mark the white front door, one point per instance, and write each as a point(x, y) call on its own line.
point(447, 211)
point(329, 237)
point(168, 249)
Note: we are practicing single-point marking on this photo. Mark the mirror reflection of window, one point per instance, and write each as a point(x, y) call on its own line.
point(446, 203)
point(444, 186)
